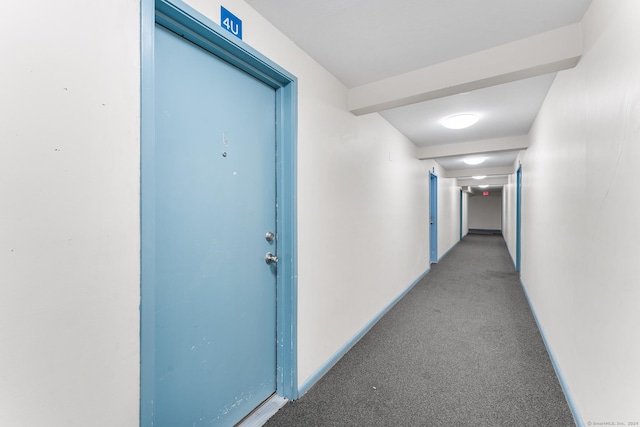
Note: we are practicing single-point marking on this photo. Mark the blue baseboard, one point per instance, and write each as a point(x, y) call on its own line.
point(554, 362)
point(319, 373)
point(484, 231)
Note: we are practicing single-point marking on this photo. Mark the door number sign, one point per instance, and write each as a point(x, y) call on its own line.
point(230, 22)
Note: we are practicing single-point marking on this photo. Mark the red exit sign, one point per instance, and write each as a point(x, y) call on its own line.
point(485, 193)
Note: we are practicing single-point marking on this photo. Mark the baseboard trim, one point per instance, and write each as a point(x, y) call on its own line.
point(320, 372)
point(484, 231)
point(563, 384)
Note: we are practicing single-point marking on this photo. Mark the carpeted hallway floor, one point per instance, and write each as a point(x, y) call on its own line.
point(461, 349)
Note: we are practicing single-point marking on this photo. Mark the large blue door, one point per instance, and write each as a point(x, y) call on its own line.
point(215, 203)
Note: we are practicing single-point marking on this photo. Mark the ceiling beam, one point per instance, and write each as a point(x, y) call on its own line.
point(510, 143)
point(467, 173)
point(544, 53)
point(487, 181)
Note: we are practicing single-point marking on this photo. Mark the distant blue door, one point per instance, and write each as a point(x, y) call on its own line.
point(518, 217)
point(461, 211)
point(215, 187)
point(433, 218)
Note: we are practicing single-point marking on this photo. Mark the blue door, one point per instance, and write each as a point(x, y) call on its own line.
point(215, 215)
point(518, 217)
point(461, 211)
point(433, 218)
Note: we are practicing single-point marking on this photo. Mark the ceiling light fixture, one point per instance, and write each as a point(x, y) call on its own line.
point(474, 160)
point(479, 176)
point(483, 186)
point(460, 121)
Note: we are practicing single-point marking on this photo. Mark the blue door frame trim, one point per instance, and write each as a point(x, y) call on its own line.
point(198, 29)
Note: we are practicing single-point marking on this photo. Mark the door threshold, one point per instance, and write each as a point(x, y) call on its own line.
point(259, 416)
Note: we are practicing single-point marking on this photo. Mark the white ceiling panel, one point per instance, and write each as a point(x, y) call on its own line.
point(366, 41)
point(493, 160)
point(360, 41)
point(504, 110)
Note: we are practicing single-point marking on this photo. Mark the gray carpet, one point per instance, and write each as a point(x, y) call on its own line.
point(462, 348)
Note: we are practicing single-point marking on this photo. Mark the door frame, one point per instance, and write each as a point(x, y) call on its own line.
point(200, 30)
point(433, 217)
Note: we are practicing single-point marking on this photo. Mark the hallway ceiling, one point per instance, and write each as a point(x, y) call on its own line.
point(418, 61)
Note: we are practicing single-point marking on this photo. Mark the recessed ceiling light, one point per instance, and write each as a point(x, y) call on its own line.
point(479, 176)
point(460, 121)
point(483, 186)
point(474, 160)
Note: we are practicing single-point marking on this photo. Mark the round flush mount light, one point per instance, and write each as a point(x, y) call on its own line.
point(479, 176)
point(460, 121)
point(474, 160)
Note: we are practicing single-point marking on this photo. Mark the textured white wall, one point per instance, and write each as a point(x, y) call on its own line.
point(363, 202)
point(69, 218)
point(580, 217)
point(485, 212)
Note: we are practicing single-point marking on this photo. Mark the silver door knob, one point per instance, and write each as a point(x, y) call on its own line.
point(270, 258)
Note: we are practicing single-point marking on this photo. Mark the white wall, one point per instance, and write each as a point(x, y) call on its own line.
point(485, 212)
point(580, 215)
point(69, 196)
